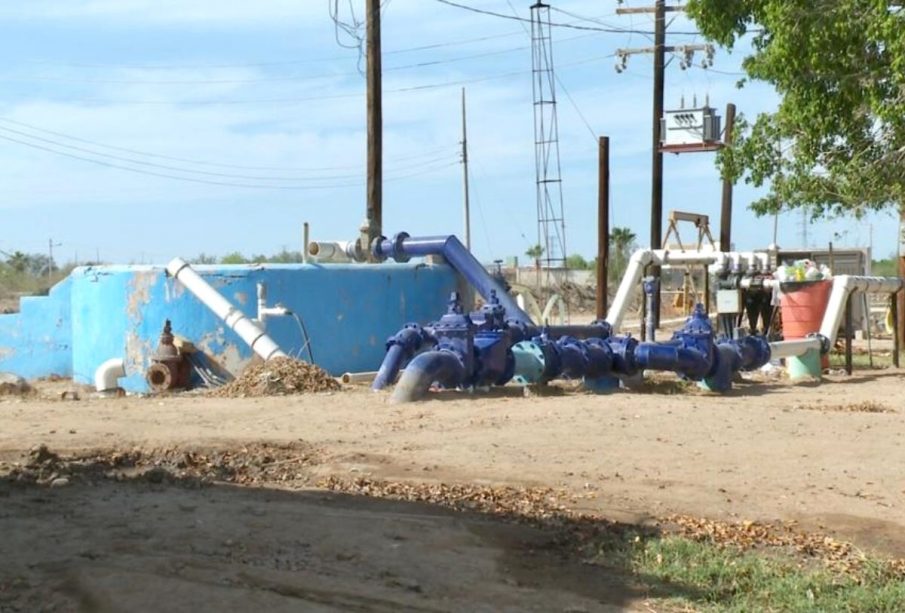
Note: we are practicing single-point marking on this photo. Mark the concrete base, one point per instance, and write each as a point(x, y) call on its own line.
point(603, 385)
point(807, 367)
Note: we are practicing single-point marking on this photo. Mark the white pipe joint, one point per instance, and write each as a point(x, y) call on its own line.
point(238, 322)
point(106, 377)
point(843, 286)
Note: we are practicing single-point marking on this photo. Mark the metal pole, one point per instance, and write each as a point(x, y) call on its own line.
point(896, 345)
point(603, 226)
point(465, 175)
point(305, 239)
point(726, 212)
point(848, 335)
point(900, 327)
point(656, 204)
point(374, 216)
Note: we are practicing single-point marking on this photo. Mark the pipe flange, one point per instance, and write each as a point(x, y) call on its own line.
point(398, 254)
point(159, 377)
point(825, 346)
point(377, 248)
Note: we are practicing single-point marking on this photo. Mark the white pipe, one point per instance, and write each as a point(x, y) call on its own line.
point(660, 257)
point(794, 348)
point(843, 286)
point(337, 251)
point(356, 377)
point(107, 374)
point(242, 325)
point(630, 279)
point(748, 282)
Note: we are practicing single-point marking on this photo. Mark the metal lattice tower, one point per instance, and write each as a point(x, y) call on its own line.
point(551, 225)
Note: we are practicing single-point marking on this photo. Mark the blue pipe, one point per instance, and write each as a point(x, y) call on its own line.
point(692, 362)
point(400, 348)
point(402, 247)
point(441, 367)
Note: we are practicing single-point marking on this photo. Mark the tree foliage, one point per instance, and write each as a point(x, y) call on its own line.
point(836, 144)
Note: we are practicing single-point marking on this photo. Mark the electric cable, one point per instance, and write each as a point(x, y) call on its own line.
point(204, 181)
point(305, 338)
point(421, 154)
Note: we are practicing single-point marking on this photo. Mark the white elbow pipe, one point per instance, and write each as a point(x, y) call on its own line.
point(633, 273)
point(106, 377)
point(238, 322)
point(843, 286)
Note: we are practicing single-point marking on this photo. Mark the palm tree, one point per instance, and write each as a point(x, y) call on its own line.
point(622, 241)
point(18, 261)
point(535, 254)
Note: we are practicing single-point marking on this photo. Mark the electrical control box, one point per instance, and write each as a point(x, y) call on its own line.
point(728, 301)
point(690, 127)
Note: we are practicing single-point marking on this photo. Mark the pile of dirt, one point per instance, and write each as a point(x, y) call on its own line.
point(279, 377)
point(13, 385)
point(250, 465)
point(581, 298)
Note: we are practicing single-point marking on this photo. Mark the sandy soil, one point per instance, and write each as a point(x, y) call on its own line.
point(767, 451)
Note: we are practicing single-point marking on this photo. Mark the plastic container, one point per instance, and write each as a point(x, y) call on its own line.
point(803, 305)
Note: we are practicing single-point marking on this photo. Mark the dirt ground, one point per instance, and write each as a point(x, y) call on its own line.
point(829, 457)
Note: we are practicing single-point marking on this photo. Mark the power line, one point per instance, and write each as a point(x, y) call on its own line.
point(609, 30)
point(208, 181)
point(421, 154)
point(275, 79)
point(404, 50)
point(226, 101)
point(189, 170)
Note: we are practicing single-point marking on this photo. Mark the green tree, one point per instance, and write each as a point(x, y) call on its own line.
point(535, 253)
point(622, 242)
point(836, 144)
point(577, 262)
point(233, 258)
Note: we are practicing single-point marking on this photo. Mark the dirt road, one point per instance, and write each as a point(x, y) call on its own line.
point(767, 451)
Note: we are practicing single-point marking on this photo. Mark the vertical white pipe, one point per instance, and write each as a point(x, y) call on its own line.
point(242, 325)
point(843, 286)
point(630, 279)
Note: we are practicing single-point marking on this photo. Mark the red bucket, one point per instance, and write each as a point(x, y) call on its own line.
point(803, 306)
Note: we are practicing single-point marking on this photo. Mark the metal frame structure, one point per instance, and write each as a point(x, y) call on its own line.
point(551, 226)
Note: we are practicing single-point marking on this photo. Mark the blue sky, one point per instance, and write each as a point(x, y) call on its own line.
point(259, 96)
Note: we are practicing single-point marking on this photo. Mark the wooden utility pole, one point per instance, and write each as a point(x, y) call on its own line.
point(465, 175)
point(603, 226)
point(374, 217)
point(659, 51)
point(50, 246)
point(656, 198)
point(726, 212)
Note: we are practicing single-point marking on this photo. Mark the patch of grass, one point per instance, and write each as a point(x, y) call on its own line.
point(710, 577)
point(862, 361)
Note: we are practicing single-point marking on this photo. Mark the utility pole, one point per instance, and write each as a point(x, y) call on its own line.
point(50, 246)
point(374, 216)
point(659, 51)
point(465, 175)
point(726, 212)
point(603, 226)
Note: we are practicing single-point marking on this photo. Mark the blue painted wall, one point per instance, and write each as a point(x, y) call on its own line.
point(119, 311)
point(37, 341)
